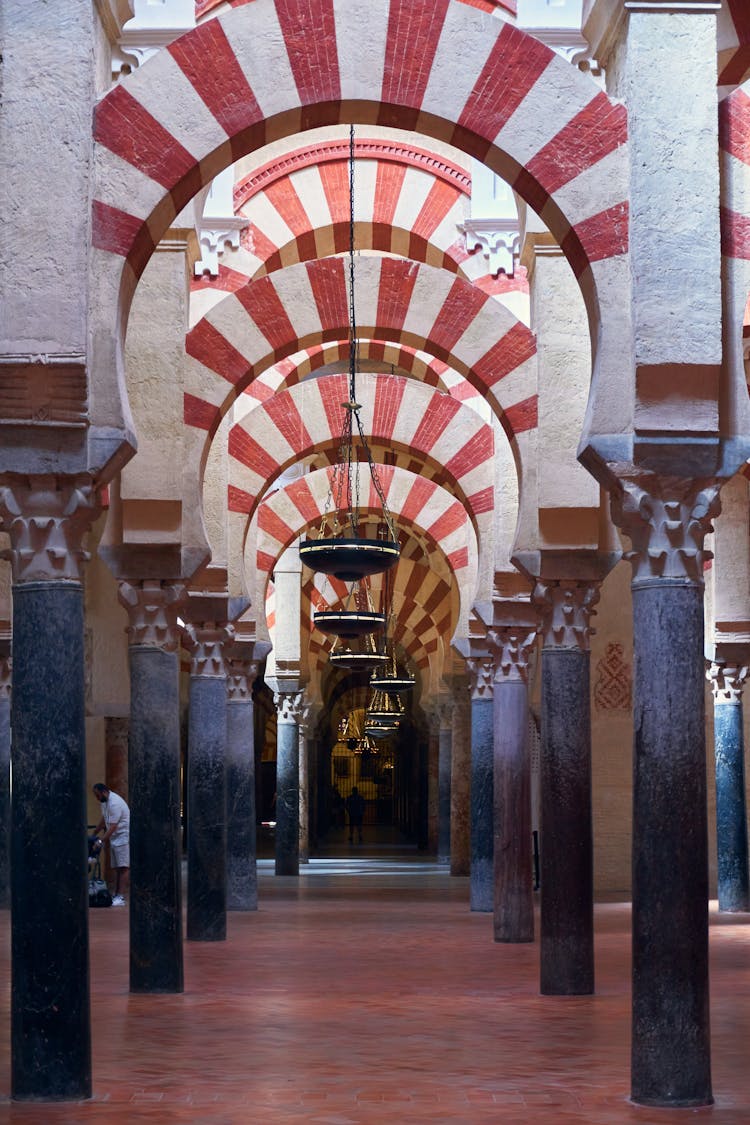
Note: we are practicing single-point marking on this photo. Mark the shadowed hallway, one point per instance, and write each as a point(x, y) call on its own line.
point(366, 991)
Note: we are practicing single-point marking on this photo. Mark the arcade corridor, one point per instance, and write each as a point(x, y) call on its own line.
point(424, 1020)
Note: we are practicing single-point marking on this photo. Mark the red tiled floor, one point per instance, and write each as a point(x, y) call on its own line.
point(377, 997)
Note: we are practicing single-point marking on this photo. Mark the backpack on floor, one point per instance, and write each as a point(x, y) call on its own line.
point(99, 894)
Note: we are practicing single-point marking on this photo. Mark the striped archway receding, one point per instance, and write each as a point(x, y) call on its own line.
point(414, 305)
point(269, 69)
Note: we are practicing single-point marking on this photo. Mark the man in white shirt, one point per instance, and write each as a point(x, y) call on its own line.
point(115, 824)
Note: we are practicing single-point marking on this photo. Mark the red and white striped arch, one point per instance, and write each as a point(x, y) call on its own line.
point(275, 67)
point(408, 202)
point(415, 305)
point(734, 135)
point(733, 36)
point(433, 372)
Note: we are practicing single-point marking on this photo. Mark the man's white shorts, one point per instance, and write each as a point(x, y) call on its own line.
point(119, 854)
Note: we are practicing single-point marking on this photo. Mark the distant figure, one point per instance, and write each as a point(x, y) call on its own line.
point(355, 806)
point(338, 808)
point(115, 824)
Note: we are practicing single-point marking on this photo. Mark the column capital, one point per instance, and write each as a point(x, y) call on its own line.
point(153, 606)
point(566, 608)
point(6, 665)
point(481, 667)
point(46, 518)
point(290, 706)
point(241, 675)
point(666, 520)
point(513, 644)
point(205, 642)
point(727, 681)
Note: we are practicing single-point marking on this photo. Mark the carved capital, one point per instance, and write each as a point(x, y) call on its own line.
point(513, 644)
point(290, 706)
point(481, 669)
point(46, 518)
point(5, 676)
point(727, 681)
point(240, 678)
point(153, 607)
point(666, 523)
point(566, 608)
point(205, 643)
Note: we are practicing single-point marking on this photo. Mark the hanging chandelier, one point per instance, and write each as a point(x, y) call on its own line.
point(357, 618)
point(339, 550)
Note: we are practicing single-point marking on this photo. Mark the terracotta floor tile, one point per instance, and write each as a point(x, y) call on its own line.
point(374, 995)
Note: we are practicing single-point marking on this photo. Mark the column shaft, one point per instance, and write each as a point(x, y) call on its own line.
point(514, 896)
point(50, 1029)
point(460, 850)
point(287, 799)
point(207, 884)
point(482, 800)
point(242, 875)
point(155, 843)
point(671, 1041)
point(304, 799)
point(4, 801)
point(445, 745)
point(731, 808)
point(567, 914)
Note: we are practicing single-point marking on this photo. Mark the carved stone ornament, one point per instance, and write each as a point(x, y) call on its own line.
point(46, 518)
point(513, 644)
point(566, 608)
point(240, 677)
point(5, 677)
point(727, 681)
point(667, 525)
point(153, 607)
point(290, 706)
point(481, 671)
point(205, 643)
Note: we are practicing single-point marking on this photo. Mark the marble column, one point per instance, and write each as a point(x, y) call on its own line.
point(207, 794)
point(50, 1034)
point(445, 747)
point(289, 706)
point(242, 874)
point(460, 843)
point(727, 681)
point(513, 859)
point(304, 783)
point(5, 677)
point(666, 520)
point(567, 858)
point(481, 668)
point(154, 785)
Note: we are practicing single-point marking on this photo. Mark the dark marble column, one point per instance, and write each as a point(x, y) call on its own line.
point(731, 806)
point(304, 785)
point(513, 878)
point(671, 1062)
point(567, 859)
point(154, 786)
point(50, 1027)
point(460, 850)
point(289, 705)
point(242, 875)
point(207, 792)
point(5, 675)
point(482, 883)
point(445, 747)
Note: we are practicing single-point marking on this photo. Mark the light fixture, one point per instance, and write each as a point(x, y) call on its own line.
point(339, 550)
point(356, 619)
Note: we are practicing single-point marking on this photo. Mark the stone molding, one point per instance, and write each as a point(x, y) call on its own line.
point(514, 644)
point(6, 667)
point(364, 149)
point(498, 239)
point(153, 606)
point(727, 681)
point(46, 518)
point(241, 676)
point(224, 232)
point(667, 523)
point(205, 643)
point(290, 706)
point(566, 608)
